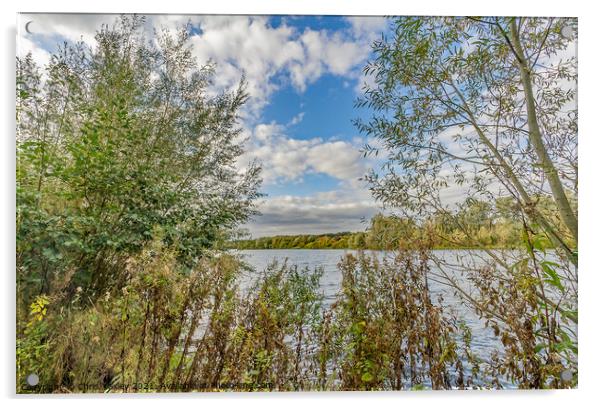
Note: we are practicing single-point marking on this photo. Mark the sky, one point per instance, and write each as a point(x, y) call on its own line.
point(304, 74)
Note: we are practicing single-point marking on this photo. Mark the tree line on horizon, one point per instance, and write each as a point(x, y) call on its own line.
point(478, 224)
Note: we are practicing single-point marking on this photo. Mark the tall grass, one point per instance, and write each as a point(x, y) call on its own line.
point(202, 330)
point(169, 331)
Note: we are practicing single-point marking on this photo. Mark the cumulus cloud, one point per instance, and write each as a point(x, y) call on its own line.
point(269, 56)
point(26, 46)
point(241, 44)
point(286, 159)
point(60, 27)
point(348, 209)
point(367, 26)
point(326, 53)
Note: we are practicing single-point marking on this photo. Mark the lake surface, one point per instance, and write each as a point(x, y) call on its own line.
point(452, 262)
point(483, 339)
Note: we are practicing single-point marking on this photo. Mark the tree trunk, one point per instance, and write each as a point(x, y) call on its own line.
point(566, 212)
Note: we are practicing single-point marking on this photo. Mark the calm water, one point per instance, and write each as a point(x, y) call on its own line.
point(483, 339)
point(452, 262)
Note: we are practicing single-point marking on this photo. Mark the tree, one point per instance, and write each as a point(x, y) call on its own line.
point(118, 143)
point(485, 104)
point(485, 108)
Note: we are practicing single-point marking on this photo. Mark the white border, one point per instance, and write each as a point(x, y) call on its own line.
point(590, 145)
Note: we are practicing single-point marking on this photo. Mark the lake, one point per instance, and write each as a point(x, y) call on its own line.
point(483, 339)
point(453, 262)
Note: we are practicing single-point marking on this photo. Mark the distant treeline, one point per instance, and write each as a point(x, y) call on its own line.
point(355, 240)
point(477, 224)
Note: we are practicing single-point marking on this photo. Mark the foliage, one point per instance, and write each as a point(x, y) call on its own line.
point(485, 107)
point(388, 333)
point(475, 224)
point(128, 190)
point(113, 143)
point(165, 330)
point(119, 146)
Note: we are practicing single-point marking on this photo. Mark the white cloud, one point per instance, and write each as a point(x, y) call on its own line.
point(26, 46)
point(264, 132)
point(327, 53)
point(269, 56)
point(54, 28)
point(339, 159)
point(297, 119)
point(346, 209)
point(367, 26)
point(286, 159)
point(240, 44)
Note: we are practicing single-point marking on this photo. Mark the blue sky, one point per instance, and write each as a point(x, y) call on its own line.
point(326, 110)
point(304, 75)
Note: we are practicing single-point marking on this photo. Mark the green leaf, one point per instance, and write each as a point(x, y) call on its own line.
point(367, 377)
point(554, 278)
point(539, 347)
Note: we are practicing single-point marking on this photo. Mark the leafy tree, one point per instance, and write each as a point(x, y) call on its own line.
point(477, 103)
point(486, 107)
point(114, 143)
